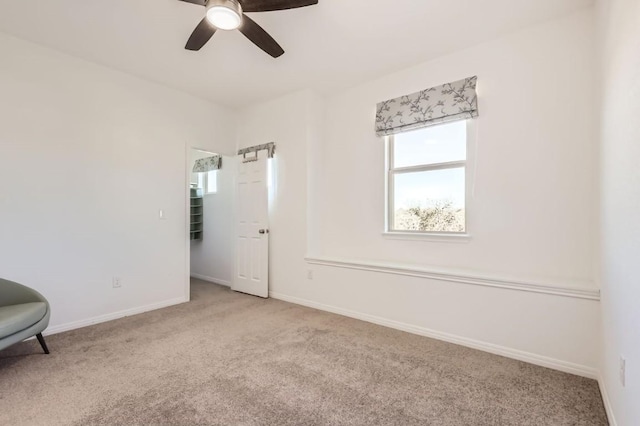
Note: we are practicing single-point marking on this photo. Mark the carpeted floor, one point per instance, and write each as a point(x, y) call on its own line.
point(231, 359)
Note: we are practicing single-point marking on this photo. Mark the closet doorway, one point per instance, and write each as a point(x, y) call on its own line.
point(210, 206)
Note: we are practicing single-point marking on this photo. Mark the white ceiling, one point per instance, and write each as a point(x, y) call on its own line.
point(334, 44)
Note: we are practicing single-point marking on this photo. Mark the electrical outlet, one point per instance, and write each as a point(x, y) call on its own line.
point(161, 214)
point(117, 282)
point(623, 371)
point(309, 274)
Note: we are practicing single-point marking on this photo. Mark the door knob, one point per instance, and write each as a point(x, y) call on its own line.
point(263, 231)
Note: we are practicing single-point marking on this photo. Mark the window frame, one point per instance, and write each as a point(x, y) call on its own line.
point(202, 182)
point(390, 172)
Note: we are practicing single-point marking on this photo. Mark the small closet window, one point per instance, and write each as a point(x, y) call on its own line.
point(208, 182)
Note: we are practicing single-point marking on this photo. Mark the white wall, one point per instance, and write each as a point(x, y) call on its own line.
point(620, 205)
point(531, 212)
point(212, 258)
point(532, 215)
point(88, 156)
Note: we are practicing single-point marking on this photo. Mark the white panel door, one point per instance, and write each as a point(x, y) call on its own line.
point(252, 233)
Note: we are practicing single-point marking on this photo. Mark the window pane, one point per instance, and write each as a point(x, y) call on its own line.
point(437, 144)
point(431, 201)
point(212, 181)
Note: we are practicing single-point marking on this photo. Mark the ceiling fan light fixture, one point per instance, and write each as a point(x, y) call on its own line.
point(224, 14)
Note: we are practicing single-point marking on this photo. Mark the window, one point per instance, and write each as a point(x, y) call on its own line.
point(207, 181)
point(426, 180)
point(212, 182)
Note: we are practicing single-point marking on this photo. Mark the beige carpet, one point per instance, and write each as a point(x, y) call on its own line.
point(231, 359)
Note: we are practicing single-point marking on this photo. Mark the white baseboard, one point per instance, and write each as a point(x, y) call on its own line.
point(211, 279)
point(112, 316)
point(556, 364)
point(607, 402)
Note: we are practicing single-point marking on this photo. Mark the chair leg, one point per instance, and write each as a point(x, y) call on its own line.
point(42, 343)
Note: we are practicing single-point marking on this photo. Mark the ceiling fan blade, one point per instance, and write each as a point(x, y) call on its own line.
point(199, 2)
point(260, 37)
point(200, 36)
point(271, 5)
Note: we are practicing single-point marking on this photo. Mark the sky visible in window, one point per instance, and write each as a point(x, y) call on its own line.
point(437, 144)
point(424, 189)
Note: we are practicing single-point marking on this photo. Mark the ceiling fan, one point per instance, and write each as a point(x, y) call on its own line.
point(229, 15)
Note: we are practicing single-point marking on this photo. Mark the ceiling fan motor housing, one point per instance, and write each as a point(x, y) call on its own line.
point(224, 14)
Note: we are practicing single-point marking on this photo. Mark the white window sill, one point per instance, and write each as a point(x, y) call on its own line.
point(432, 237)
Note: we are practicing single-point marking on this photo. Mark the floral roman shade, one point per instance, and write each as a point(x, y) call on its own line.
point(207, 164)
point(440, 104)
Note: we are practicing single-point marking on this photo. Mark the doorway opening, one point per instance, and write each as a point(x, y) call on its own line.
point(210, 208)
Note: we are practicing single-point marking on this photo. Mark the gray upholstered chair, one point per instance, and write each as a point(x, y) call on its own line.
point(23, 313)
